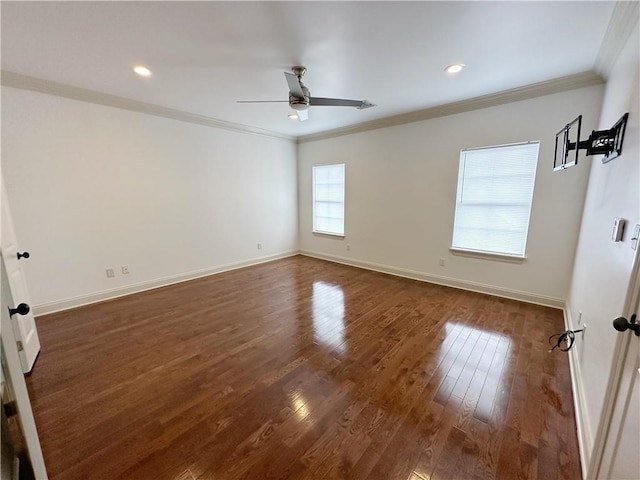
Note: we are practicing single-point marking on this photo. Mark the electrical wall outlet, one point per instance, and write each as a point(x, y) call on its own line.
point(348, 247)
point(125, 269)
point(442, 262)
point(110, 272)
point(259, 246)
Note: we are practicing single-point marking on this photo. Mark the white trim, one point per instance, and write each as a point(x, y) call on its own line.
point(562, 84)
point(516, 144)
point(24, 82)
point(585, 436)
point(340, 236)
point(439, 280)
point(15, 380)
point(612, 389)
point(68, 303)
point(621, 24)
point(25, 414)
point(570, 82)
point(314, 202)
point(497, 257)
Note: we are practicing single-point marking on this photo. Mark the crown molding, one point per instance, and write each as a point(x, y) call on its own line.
point(579, 80)
point(570, 82)
point(624, 19)
point(24, 82)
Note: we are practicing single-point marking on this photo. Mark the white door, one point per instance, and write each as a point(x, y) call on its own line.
point(11, 367)
point(621, 458)
point(620, 437)
point(24, 326)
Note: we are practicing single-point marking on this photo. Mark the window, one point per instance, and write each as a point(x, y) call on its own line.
point(493, 204)
point(328, 199)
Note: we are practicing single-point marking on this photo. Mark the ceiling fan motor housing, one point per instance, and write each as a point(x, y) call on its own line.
point(298, 103)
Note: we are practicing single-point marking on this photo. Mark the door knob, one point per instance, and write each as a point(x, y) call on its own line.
point(23, 255)
point(621, 324)
point(21, 309)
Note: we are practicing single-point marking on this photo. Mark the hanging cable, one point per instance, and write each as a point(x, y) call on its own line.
point(565, 338)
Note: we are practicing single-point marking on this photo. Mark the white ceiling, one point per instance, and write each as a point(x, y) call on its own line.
point(206, 55)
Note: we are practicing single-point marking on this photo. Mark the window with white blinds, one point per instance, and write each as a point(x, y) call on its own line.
point(493, 204)
point(328, 199)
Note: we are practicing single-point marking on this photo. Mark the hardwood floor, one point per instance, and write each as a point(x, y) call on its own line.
point(301, 368)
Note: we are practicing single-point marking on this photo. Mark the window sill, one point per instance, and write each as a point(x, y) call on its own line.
point(496, 257)
point(328, 235)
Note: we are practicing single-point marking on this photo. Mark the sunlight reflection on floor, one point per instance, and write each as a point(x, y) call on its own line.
point(328, 316)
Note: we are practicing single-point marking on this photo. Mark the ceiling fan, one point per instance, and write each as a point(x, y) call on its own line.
point(300, 98)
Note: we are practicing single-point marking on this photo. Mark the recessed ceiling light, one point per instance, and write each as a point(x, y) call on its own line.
point(142, 71)
point(293, 116)
point(455, 68)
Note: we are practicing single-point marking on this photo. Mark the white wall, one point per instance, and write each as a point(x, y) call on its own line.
point(401, 189)
point(93, 187)
point(602, 268)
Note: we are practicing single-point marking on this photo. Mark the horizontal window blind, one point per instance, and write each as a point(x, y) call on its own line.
point(493, 204)
point(328, 199)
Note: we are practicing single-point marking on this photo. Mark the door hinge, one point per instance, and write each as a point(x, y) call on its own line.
point(20, 346)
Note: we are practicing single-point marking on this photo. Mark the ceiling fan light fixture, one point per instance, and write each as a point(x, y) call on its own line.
point(142, 71)
point(454, 68)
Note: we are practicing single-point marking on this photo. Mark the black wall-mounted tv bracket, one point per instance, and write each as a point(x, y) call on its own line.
point(604, 142)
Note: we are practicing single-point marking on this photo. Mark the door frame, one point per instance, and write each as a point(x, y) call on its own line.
point(15, 378)
point(608, 424)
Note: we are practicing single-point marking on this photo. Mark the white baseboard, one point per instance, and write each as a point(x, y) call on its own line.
point(68, 303)
point(78, 301)
point(446, 281)
point(585, 438)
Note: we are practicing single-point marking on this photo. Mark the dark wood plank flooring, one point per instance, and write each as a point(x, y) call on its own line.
point(301, 368)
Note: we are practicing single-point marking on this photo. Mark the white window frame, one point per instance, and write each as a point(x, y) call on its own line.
point(335, 233)
point(466, 248)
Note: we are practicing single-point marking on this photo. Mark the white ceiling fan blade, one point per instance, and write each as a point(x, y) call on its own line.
point(340, 102)
point(294, 85)
point(300, 99)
